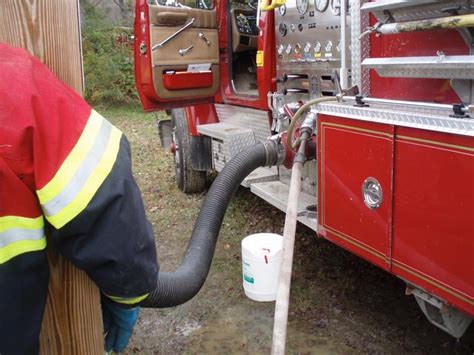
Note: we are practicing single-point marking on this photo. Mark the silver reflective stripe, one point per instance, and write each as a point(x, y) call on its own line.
point(16, 234)
point(86, 168)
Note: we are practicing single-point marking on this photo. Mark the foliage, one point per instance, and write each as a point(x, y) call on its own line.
point(108, 59)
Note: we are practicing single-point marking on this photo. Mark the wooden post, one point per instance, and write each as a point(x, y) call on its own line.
point(50, 30)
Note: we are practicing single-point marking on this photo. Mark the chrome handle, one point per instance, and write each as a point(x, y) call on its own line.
point(183, 51)
point(203, 37)
point(166, 40)
point(372, 193)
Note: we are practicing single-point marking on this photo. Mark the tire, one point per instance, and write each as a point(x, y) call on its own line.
point(188, 180)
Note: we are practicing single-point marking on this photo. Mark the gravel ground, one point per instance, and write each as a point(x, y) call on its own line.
point(340, 304)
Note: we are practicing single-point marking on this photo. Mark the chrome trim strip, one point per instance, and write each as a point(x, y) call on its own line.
point(421, 116)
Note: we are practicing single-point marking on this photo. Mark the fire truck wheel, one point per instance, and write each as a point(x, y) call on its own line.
point(188, 180)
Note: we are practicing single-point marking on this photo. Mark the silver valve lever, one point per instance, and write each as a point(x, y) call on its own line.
point(287, 77)
point(203, 37)
point(295, 91)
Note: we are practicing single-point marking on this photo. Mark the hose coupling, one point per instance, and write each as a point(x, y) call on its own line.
point(275, 150)
point(309, 123)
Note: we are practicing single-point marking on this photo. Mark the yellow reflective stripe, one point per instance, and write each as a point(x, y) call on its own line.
point(20, 247)
point(74, 159)
point(16, 222)
point(92, 184)
point(129, 301)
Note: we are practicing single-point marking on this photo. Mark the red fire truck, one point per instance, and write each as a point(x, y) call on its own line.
point(390, 169)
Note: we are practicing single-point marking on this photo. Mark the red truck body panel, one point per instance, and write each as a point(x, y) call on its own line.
point(349, 152)
point(433, 230)
point(424, 230)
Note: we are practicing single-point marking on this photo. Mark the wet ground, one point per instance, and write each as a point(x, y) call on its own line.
point(340, 304)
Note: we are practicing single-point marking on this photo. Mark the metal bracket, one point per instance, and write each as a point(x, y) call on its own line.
point(352, 91)
point(442, 315)
point(359, 99)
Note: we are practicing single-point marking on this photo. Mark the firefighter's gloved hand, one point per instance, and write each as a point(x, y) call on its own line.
point(118, 324)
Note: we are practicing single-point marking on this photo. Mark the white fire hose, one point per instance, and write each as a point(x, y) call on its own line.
point(284, 281)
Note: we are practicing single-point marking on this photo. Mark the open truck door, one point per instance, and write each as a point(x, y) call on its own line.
point(176, 53)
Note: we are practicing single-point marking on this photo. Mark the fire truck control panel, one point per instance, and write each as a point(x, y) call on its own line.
point(311, 48)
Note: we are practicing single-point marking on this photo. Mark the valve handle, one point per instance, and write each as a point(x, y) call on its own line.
point(265, 6)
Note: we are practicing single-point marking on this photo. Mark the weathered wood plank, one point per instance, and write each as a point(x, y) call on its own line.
point(50, 30)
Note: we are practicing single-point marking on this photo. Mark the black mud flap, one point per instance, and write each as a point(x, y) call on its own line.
point(165, 132)
point(201, 153)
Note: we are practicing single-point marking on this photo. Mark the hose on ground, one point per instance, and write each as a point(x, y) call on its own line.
point(175, 288)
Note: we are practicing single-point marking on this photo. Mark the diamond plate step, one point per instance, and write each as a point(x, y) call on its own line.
point(276, 193)
point(224, 131)
point(227, 141)
point(245, 117)
point(261, 175)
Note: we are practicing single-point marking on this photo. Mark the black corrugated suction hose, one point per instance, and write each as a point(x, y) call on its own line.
point(178, 287)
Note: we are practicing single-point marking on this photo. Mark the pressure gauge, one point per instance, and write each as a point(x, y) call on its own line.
point(307, 47)
point(282, 10)
point(317, 47)
point(302, 6)
point(280, 49)
point(321, 5)
point(336, 7)
point(288, 49)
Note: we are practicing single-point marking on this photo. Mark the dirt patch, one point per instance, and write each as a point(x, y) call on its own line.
point(340, 304)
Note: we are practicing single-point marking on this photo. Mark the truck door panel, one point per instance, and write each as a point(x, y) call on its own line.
point(168, 58)
point(184, 69)
point(349, 153)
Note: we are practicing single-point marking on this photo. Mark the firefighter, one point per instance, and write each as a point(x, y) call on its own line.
point(65, 172)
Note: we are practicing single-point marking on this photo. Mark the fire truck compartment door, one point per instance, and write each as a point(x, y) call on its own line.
point(184, 56)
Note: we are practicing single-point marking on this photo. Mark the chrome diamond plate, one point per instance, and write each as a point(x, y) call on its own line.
point(232, 143)
point(237, 142)
point(245, 117)
point(422, 117)
point(413, 11)
point(439, 67)
point(360, 47)
point(227, 141)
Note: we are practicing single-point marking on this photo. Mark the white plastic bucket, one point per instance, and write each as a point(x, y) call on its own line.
point(261, 259)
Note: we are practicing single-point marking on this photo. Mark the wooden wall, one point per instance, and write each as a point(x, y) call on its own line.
point(50, 30)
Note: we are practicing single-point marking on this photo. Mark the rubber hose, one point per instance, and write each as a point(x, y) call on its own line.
point(178, 287)
point(296, 117)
